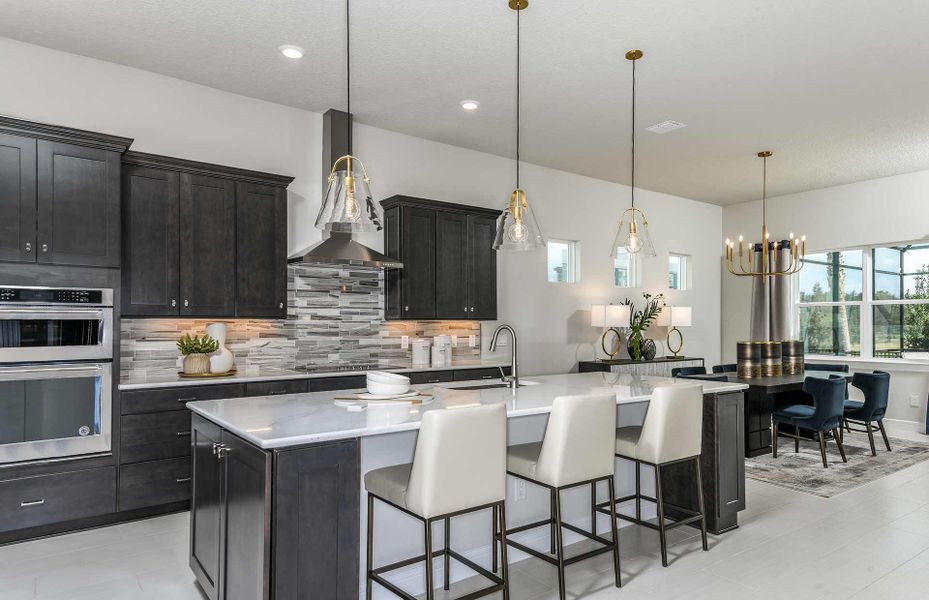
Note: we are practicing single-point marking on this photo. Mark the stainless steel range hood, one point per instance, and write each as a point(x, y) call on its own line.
point(341, 249)
point(338, 247)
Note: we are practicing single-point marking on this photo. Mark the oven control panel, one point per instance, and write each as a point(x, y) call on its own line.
point(34, 295)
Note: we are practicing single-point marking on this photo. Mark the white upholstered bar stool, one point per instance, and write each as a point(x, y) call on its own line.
point(577, 450)
point(459, 467)
point(672, 433)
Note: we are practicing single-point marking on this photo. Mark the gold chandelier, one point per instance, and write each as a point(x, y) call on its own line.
point(766, 266)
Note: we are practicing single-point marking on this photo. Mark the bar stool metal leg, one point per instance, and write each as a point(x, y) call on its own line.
point(552, 532)
point(559, 543)
point(430, 590)
point(638, 490)
point(369, 564)
point(615, 530)
point(593, 507)
point(501, 514)
point(700, 504)
point(448, 561)
point(661, 525)
point(493, 540)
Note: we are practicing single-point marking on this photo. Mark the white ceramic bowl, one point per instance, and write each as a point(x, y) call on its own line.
point(384, 377)
point(379, 388)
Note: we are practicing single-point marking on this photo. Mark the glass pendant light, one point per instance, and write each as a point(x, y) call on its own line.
point(348, 205)
point(633, 235)
point(517, 229)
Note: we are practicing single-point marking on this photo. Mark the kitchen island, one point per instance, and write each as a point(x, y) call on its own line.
point(277, 487)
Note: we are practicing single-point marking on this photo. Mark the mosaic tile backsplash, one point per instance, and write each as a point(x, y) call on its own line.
point(335, 318)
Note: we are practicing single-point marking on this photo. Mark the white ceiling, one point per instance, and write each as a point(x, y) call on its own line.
point(839, 89)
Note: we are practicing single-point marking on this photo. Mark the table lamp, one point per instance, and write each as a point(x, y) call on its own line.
point(610, 316)
point(679, 316)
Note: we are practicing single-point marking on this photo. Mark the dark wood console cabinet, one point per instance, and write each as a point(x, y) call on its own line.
point(449, 265)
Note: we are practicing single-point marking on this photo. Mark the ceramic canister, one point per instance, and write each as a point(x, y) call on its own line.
point(792, 357)
point(748, 356)
point(771, 360)
point(421, 352)
point(222, 360)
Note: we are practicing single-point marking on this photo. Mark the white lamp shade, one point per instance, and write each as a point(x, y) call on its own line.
point(681, 316)
point(664, 317)
point(610, 315)
point(598, 315)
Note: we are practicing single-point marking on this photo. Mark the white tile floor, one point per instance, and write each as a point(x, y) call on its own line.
point(869, 543)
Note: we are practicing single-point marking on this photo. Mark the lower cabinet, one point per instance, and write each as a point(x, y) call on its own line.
point(312, 530)
point(154, 483)
point(45, 499)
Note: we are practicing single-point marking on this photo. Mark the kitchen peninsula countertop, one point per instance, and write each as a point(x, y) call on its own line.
point(270, 373)
point(297, 419)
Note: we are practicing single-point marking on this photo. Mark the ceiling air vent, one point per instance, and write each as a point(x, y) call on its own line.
point(666, 127)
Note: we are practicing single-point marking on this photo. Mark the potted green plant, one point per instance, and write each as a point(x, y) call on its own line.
point(196, 351)
point(640, 320)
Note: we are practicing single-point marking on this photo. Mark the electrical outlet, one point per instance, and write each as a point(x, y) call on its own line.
point(472, 341)
point(454, 341)
point(914, 401)
point(519, 490)
point(404, 342)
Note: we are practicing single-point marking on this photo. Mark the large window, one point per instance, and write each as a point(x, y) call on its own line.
point(871, 302)
point(563, 262)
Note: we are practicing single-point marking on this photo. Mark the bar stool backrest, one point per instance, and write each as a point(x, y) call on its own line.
point(673, 426)
point(580, 440)
point(460, 460)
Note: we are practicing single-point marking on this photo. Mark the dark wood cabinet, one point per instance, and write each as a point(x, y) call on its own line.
point(206, 498)
point(154, 483)
point(17, 198)
point(449, 265)
point(44, 499)
point(261, 251)
point(59, 194)
point(203, 240)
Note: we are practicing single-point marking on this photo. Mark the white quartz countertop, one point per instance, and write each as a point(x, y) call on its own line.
point(268, 373)
point(296, 419)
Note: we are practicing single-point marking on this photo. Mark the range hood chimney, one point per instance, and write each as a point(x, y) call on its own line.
point(338, 248)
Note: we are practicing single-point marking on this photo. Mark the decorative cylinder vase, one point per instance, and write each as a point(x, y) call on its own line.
point(197, 364)
point(792, 357)
point(748, 356)
point(222, 360)
point(771, 359)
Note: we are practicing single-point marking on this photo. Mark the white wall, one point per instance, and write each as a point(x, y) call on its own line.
point(890, 209)
point(177, 118)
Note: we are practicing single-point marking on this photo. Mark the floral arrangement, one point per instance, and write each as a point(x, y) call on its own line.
point(640, 320)
point(196, 345)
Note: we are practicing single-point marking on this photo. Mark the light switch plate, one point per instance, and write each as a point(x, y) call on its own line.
point(914, 401)
point(454, 341)
point(472, 341)
point(404, 342)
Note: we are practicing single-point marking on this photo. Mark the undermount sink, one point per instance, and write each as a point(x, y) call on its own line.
point(490, 386)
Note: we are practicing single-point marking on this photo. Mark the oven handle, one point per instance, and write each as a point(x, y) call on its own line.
point(51, 368)
point(7, 313)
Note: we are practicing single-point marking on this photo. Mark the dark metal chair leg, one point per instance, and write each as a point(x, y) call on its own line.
point(700, 504)
point(615, 530)
point(848, 426)
point(661, 525)
point(638, 491)
point(796, 440)
point(822, 448)
point(430, 590)
point(369, 565)
point(593, 508)
point(880, 424)
point(493, 541)
point(559, 542)
point(867, 426)
point(842, 425)
point(838, 442)
point(447, 567)
point(501, 515)
point(552, 528)
point(774, 426)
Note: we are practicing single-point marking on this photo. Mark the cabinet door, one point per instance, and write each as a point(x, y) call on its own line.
point(418, 251)
point(205, 506)
point(17, 198)
point(482, 262)
point(261, 251)
point(730, 455)
point(246, 558)
point(452, 297)
point(78, 205)
point(151, 275)
point(207, 248)
point(316, 522)
point(393, 301)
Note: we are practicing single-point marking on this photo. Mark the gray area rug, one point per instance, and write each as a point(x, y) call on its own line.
point(804, 471)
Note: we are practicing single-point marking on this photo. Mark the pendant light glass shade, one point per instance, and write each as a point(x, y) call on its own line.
point(633, 235)
point(349, 205)
point(517, 229)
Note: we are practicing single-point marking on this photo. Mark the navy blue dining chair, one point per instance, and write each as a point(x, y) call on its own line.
point(825, 367)
point(876, 389)
point(727, 368)
point(823, 419)
point(685, 371)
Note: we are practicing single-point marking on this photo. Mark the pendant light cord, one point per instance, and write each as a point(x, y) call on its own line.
point(517, 96)
point(633, 137)
point(348, 73)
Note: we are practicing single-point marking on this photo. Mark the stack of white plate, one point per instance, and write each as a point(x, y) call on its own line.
point(387, 384)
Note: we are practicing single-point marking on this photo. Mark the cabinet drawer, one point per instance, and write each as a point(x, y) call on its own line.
point(142, 401)
point(273, 388)
point(45, 499)
point(154, 436)
point(472, 374)
point(348, 382)
point(432, 376)
point(154, 483)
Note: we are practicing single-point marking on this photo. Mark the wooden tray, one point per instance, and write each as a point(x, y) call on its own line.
point(184, 375)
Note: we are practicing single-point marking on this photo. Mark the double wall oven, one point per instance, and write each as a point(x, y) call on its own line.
point(56, 361)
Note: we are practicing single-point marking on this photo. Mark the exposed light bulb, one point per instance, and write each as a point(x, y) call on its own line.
point(633, 246)
point(517, 232)
point(351, 206)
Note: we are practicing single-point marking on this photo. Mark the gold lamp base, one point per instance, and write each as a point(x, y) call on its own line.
point(675, 353)
point(619, 338)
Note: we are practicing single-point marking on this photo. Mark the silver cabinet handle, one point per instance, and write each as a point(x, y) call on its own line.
point(191, 399)
point(28, 246)
point(186, 303)
point(183, 480)
point(472, 309)
point(44, 247)
point(280, 305)
point(173, 302)
point(28, 503)
point(221, 450)
point(183, 434)
point(406, 308)
point(466, 309)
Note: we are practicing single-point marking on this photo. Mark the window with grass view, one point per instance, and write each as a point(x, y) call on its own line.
point(562, 261)
point(830, 303)
point(900, 301)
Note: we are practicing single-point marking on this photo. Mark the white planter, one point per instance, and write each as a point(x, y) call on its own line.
point(222, 360)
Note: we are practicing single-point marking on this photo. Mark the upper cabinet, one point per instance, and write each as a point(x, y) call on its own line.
point(59, 194)
point(449, 265)
point(203, 240)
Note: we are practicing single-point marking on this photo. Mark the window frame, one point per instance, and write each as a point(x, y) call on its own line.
point(574, 261)
point(684, 280)
point(633, 275)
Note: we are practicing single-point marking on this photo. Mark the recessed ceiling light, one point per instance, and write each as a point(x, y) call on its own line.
point(470, 104)
point(291, 51)
point(665, 127)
